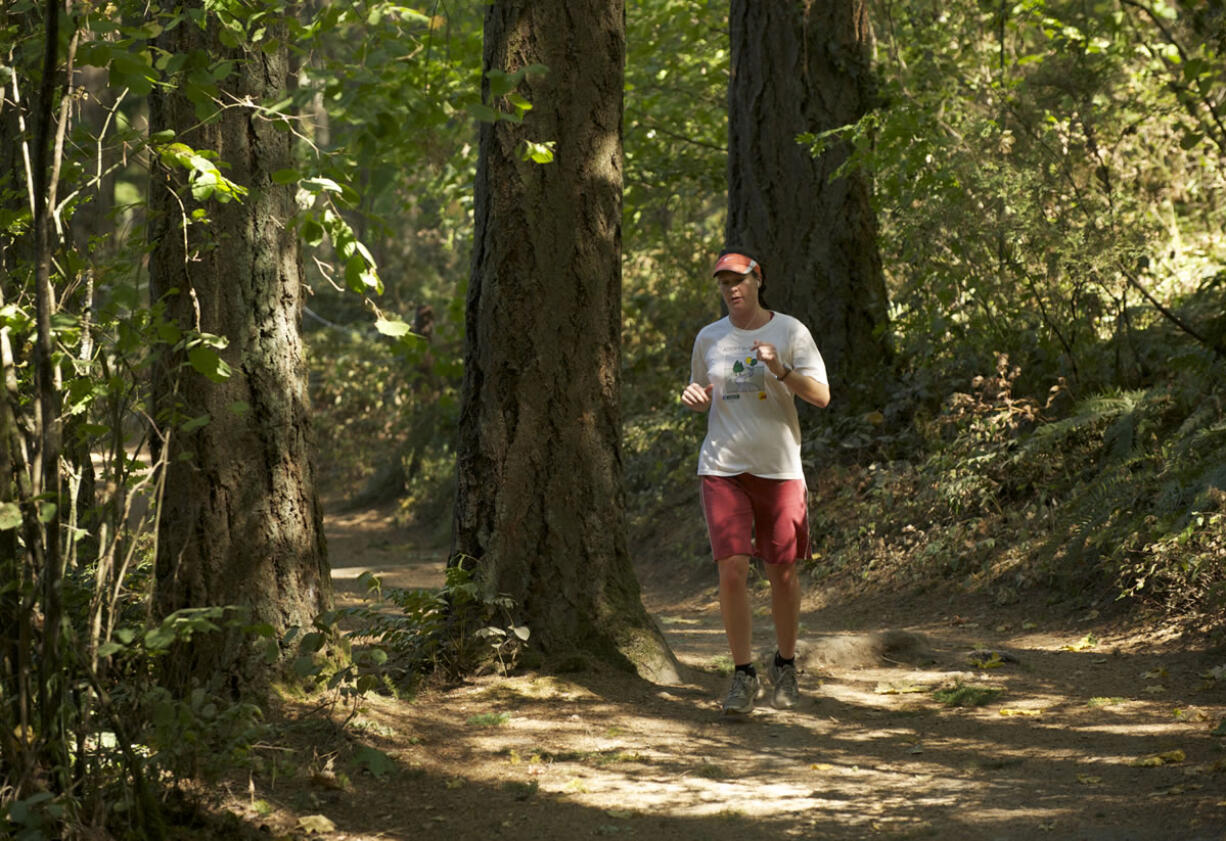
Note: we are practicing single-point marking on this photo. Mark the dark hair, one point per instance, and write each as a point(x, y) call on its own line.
point(752, 254)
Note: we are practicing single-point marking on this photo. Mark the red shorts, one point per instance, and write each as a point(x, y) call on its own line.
point(749, 515)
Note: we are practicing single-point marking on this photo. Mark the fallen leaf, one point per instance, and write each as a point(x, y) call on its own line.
point(1157, 759)
point(378, 763)
point(1154, 689)
point(901, 688)
point(1172, 791)
point(1087, 642)
point(1159, 673)
point(316, 823)
point(1088, 780)
point(1016, 711)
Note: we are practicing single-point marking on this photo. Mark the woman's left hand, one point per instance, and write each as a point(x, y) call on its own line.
point(769, 357)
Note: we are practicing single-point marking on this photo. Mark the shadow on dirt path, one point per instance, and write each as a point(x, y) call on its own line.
point(923, 717)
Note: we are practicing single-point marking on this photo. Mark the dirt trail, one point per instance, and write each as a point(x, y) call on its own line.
point(1085, 731)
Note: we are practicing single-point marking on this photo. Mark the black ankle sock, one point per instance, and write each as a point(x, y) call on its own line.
point(748, 669)
point(780, 661)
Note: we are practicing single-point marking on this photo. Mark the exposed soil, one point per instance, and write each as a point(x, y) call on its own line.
point(1070, 726)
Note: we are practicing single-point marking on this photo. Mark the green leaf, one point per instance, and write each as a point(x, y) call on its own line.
point(304, 666)
point(360, 276)
point(393, 327)
point(286, 176)
point(196, 423)
point(312, 642)
point(1190, 140)
point(482, 112)
point(539, 153)
point(108, 648)
point(378, 763)
point(159, 638)
point(207, 361)
point(521, 104)
point(319, 184)
point(312, 232)
point(502, 83)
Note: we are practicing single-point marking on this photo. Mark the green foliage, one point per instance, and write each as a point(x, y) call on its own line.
point(1121, 495)
point(34, 818)
point(966, 695)
point(1022, 209)
point(456, 629)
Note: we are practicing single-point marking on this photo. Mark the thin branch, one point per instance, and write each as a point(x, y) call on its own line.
point(1218, 349)
point(684, 139)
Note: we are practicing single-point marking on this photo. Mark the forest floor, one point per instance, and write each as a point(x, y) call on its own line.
point(924, 715)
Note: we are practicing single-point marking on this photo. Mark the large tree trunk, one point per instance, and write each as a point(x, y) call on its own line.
point(240, 521)
point(804, 67)
point(540, 502)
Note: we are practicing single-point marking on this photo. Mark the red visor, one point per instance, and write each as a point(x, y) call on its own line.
point(738, 263)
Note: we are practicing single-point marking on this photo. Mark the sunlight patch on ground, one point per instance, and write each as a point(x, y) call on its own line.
point(1131, 729)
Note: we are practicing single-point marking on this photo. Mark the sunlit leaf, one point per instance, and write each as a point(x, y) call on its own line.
point(393, 327)
point(1084, 644)
point(316, 823)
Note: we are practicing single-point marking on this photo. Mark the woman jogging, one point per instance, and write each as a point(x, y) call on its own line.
point(745, 372)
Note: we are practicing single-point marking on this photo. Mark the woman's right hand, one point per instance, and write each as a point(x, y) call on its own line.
point(697, 397)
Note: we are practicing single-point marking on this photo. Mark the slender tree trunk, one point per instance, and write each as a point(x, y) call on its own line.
point(240, 522)
point(540, 502)
point(803, 66)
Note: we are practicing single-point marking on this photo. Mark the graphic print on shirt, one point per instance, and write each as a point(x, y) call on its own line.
point(746, 375)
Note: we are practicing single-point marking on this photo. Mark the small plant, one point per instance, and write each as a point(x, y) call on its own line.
point(456, 629)
point(966, 695)
point(488, 719)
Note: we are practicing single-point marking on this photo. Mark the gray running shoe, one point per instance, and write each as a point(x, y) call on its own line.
point(742, 694)
point(786, 694)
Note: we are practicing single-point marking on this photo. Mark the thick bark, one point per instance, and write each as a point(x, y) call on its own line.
point(240, 522)
point(804, 67)
point(540, 502)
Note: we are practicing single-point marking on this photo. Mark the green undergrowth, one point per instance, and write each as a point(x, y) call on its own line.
point(1116, 495)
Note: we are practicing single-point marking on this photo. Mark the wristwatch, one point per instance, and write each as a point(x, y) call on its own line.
point(787, 369)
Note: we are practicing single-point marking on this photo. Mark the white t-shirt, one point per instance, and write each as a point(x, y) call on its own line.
point(752, 426)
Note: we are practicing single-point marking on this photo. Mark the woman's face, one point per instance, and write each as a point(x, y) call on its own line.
point(740, 291)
